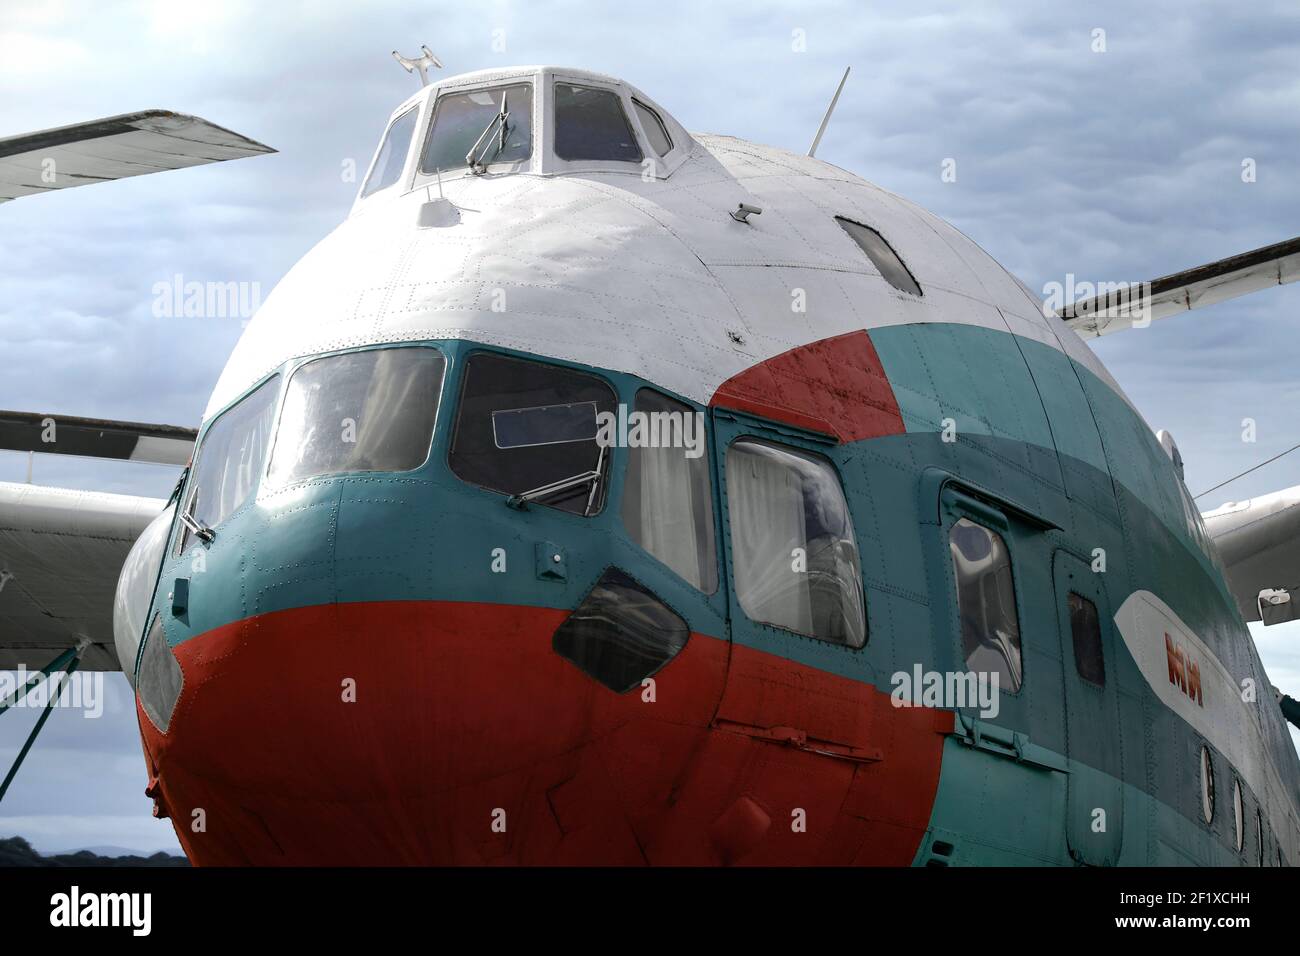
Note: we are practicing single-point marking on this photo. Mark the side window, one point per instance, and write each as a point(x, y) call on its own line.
point(1207, 785)
point(591, 124)
point(392, 155)
point(525, 426)
point(792, 540)
point(460, 120)
point(667, 496)
point(986, 602)
point(655, 130)
point(230, 459)
point(882, 255)
point(361, 411)
point(1238, 814)
point(1085, 628)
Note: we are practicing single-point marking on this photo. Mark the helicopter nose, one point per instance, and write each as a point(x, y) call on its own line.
point(365, 733)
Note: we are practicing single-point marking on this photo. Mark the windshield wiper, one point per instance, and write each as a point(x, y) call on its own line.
point(476, 165)
point(520, 501)
point(197, 527)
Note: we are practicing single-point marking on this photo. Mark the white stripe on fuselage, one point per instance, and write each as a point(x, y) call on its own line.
point(1198, 688)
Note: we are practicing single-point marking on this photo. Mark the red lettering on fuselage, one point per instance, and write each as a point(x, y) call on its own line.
point(1184, 672)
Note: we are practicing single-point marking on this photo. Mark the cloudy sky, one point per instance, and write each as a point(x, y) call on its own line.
point(1117, 165)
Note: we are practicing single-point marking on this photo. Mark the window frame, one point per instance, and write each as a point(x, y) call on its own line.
point(713, 497)
point(383, 140)
point(303, 363)
point(633, 128)
point(612, 467)
point(557, 165)
point(637, 106)
point(848, 234)
point(525, 164)
point(958, 504)
point(1074, 642)
point(184, 502)
point(1209, 794)
point(782, 442)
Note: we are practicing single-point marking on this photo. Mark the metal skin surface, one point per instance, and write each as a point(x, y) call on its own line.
point(470, 741)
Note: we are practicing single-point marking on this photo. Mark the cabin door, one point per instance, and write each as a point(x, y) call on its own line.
point(1095, 797)
point(797, 679)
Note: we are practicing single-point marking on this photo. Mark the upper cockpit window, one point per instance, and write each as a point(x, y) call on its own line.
point(590, 125)
point(882, 255)
point(392, 155)
point(461, 122)
point(655, 130)
point(358, 412)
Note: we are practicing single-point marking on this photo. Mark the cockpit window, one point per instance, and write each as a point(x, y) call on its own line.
point(461, 121)
point(655, 130)
point(358, 412)
point(590, 124)
point(529, 429)
point(230, 459)
point(392, 155)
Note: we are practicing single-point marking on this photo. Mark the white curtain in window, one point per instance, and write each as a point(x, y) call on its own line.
point(765, 502)
point(666, 520)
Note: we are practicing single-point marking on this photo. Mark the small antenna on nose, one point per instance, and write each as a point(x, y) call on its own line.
point(421, 63)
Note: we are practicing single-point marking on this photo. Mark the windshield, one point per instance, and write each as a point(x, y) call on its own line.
point(358, 412)
point(461, 118)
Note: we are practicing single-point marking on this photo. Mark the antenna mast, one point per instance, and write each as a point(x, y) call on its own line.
point(812, 150)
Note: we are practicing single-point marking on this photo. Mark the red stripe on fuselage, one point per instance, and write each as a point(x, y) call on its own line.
point(836, 386)
point(464, 718)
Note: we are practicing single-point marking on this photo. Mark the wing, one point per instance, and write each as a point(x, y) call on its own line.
point(60, 554)
point(1204, 285)
point(61, 551)
point(114, 148)
point(95, 438)
point(1258, 541)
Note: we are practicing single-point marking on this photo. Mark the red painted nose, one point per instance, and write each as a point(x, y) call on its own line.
point(412, 733)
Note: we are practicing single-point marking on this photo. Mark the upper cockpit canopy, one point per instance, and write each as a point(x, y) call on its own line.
point(537, 120)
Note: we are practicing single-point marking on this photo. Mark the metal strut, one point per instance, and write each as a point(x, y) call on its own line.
point(71, 658)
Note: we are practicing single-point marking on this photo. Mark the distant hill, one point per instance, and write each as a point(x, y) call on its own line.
point(15, 851)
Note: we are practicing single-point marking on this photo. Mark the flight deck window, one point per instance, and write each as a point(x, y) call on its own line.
point(654, 128)
point(461, 119)
point(591, 124)
point(1085, 629)
point(667, 497)
point(358, 412)
point(230, 459)
point(392, 155)
point(796, 557)
point(882, 255)
point(530, 429)
point(986, 602)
